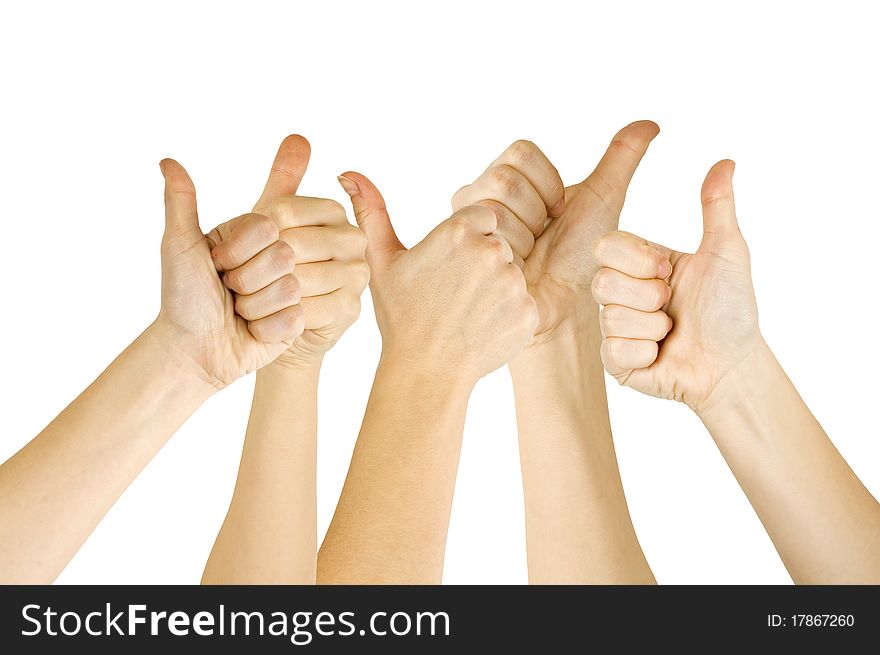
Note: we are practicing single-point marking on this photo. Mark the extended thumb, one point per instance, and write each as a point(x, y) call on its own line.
point(372, 216)
point(181, 214)
point(719, 212)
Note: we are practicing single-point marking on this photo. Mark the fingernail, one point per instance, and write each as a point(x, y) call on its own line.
point(350, 186)
point(665, 269)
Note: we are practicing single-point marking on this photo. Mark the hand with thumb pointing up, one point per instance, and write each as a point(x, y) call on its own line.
point(455, 305)
point(675, 324)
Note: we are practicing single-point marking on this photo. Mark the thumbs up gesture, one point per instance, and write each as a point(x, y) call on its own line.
point(674, 324)
point(197, 320)
point(455, 306)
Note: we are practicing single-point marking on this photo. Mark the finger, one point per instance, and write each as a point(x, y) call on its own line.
point(302, 211)
point(513, 230)
point(611, 287)
point(318, 244)
point(372, 217)
point(506, 250)
point(283, 292)
point(618, 165)
point(251, 234)
point(339, 308)
point(506, 185)
point(281, 327)
point(287, 170)
point(719, 212)
point(479, 217)
point(326, 277)
point(181, 213)
point(528, 158)
point(621, 321)
point(632, 255)
point(620, 356)
point(263, 269)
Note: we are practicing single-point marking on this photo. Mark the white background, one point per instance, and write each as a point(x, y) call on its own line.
point(422, 99)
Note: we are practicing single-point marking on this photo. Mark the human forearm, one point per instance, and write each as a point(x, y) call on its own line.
point(269, 535)
point(56, 489)
point(578, 526)
point(822, 520)
point(391, 521)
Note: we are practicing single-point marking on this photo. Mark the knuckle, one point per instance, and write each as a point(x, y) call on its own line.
point(234, 281)
point(599, 285)
point(283, 256)
point(363, 275)
point(264, 226)
point(658, 296)
point(459, 229)
point(601, 247)
point(242, 308)
point(333, 208)
point(523, 151)
point(289, 287)
point(494, 247)
point(359, 239)
point(352, 310)
point(649, 262)
point(290, 319)
point(458, 198)
point(608, 316)
point(503, 179)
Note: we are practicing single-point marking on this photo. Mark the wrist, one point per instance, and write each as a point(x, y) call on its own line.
point(433, 375)
point(749, 376)
point(167, 349)
point(580, 318)
point(288, 362)
point(572, 345)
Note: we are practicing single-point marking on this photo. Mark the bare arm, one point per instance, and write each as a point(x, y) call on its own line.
point(391, 521)
point(578, 528)
point(55, 490)
point(821, 518)
point(269, 535)
point(685, 326)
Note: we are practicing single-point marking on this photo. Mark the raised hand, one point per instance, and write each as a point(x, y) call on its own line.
point(455, 303)
point(331, 271)
point(524, 190)
point(675, 324)
point(198, 318)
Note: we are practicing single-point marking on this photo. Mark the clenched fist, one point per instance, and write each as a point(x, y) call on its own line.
point(198, 318)
point(331, 270)
point(674, 324)
point(552, 228)
point(454, 304)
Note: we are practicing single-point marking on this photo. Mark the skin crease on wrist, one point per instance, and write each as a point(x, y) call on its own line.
point(269, 534)
point(578, 528)
point(685, 326)
point(57, 488)
point(449, 310)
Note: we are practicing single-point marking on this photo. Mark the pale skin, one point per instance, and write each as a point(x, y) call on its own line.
point(578, 528)
point(450, 310)
point(684, 326)
point(57, 488)
point(269, 534)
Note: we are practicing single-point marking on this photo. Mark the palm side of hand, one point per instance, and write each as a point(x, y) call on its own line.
point(197, 308)
point(560, 267)
point(715, 325)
